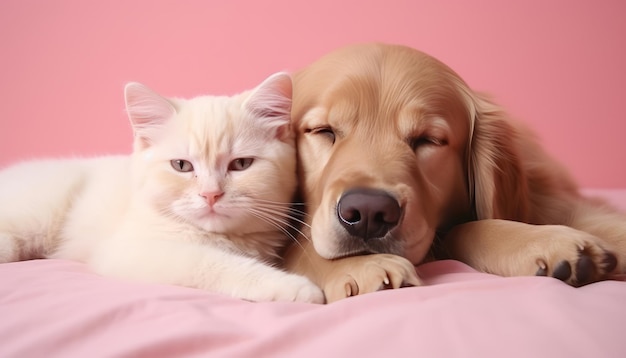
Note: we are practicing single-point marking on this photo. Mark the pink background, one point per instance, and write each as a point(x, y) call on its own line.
point(558, 65)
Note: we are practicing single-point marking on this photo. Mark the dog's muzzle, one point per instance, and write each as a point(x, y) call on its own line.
point(368, 213)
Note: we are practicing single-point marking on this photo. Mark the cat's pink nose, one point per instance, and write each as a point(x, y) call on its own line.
point(212, 197)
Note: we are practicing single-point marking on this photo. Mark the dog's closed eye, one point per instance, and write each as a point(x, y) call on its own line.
point(426, 140)
point(326, 131)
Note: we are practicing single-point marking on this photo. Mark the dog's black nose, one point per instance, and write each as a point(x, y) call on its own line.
point(368, 213)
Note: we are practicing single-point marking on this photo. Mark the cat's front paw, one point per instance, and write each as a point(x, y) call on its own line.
point(303, 291)
point(289, 287)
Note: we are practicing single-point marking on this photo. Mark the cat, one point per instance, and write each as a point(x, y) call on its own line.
point(202, 201)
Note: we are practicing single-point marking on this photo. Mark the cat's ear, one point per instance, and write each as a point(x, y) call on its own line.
point(147, 111)
point(270, 102)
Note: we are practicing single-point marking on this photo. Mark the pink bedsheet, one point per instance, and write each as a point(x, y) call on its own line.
point(54, 308)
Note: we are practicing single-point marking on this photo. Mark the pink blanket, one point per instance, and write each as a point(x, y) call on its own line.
point(54, 308)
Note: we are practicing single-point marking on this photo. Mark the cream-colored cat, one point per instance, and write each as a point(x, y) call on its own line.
point(203, 201)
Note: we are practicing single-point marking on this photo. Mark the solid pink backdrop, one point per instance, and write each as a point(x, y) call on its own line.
point(558, 65)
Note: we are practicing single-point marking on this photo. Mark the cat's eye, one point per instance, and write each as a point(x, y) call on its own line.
point(181, 165)
point(240, 164)
point(325, 131)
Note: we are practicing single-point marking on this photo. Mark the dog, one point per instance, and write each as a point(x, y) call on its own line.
point(401, 162)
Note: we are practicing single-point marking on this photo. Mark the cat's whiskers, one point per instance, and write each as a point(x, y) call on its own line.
point(281, 225)
point(285, 213)
point(280, 214)
point(276, 208)
point(287, 225)
point(260, 200)
point(292, 206)
point(294, 213)
point(276, 214)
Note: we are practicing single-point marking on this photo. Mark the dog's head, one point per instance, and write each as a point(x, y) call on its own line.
point(385, 150)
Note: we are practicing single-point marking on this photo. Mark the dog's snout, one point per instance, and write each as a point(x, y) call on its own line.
point(368, 213)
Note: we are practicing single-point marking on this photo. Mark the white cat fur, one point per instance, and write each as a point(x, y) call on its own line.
point(136, 217)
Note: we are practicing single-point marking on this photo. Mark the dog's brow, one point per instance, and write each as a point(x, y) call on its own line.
point(342, 112)
point(411, 119)
point(315, 116)
point(436, 121)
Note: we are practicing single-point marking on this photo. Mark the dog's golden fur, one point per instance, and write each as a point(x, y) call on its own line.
point(470, 183)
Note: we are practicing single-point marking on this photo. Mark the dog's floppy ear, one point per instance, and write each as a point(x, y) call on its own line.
point(498, 183)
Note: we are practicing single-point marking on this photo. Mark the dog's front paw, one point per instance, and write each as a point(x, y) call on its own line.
point(510, 248)
point(363, 274)
point(573, 256)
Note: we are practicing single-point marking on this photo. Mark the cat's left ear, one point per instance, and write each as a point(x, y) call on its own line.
point(147, 111)
point(270, 102)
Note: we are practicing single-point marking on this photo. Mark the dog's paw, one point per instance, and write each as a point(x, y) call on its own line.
point(363, 274)
point(510, 248)
point(573, 256)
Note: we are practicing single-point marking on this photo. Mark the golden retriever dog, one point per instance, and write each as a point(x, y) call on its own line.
point(401, 162)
